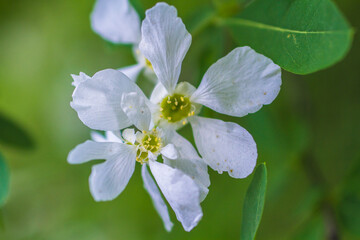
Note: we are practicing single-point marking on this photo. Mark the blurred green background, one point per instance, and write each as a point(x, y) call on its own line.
point(309, 136)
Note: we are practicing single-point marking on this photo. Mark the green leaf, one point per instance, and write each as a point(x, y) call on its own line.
point(4, 180)
point(14, 135)
point(254, 203)
point(302, 36)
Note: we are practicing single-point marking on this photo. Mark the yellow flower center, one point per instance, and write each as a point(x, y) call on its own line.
point(151, 142)
point(176, 108)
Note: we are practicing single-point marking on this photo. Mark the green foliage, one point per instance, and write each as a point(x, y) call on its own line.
point(4, 180)
point(254, 203)
point(55, 196)
point(350, 213)
point(314, 229)
point(13, 134)
point(349, 207)
point(302, 36)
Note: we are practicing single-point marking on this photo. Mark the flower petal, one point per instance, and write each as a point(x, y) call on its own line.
point(116, 21)
point(158, 94)
point(98, 100)
point(115, 136)
point(180, 191)
point(132, 71)
point(169, 151)
point(79, 78)
point(190, 163)
point(164, 43)
point(135, 107)
point(129, 135)
point(97, 137)
point(225, 146)
point(156, 197)
point(91, 150)
point(109, 179)
point(239, 83)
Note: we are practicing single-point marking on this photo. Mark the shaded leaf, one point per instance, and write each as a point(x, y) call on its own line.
point(4, 180)
point(13, 134)
point(254, 203)
point(302, 36)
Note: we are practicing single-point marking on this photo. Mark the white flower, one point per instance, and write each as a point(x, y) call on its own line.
point(79, 78)
point(237, 84)
point(117, 21)
point(110, 101)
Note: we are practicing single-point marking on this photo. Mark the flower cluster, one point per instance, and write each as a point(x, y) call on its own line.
point(143, 130)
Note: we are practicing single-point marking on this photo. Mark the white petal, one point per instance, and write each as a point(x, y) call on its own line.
point(152, 156)
point(135, 107)
point(239, 83)
point(190, 163)
point(165, 134)
point(132, 71)
point(158, 94)
point(150, 74)
point(113, 136)
point(169, 151)
point(116, 21)
point(129, 135)
point(97, 137)
point(185, 89)
point(109, 179)
point(164, 43)
point(91, 150)
point(79, 78)
point(98, 100)
point(180, 191)
point(225, 146)
point(156, 197)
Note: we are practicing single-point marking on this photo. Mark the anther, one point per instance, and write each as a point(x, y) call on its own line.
point(182, 99)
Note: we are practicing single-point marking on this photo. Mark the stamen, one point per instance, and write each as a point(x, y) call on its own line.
point(175, 108)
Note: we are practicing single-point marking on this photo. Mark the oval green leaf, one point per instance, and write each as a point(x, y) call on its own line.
point(4, 180)
point(254, 203)
point(14, 135)
point(301, 36)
